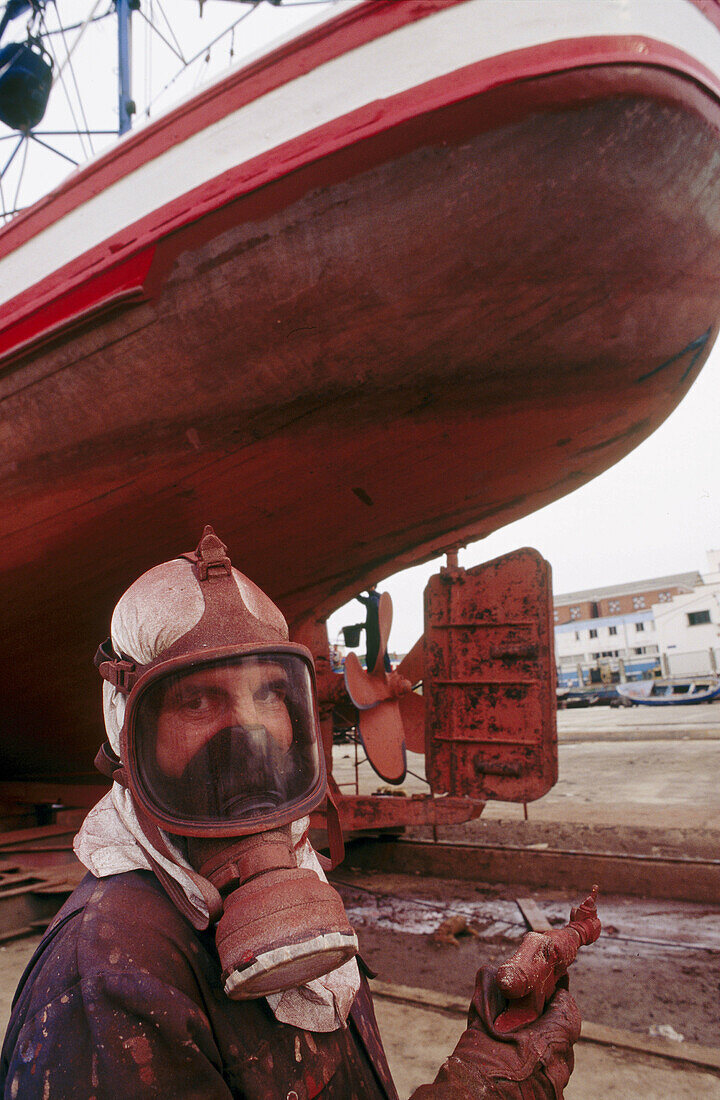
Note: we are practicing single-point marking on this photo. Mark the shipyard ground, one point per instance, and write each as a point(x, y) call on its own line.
point(635, 781)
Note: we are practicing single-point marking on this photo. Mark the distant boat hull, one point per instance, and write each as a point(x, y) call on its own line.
point(648, 693)
point(406, 318)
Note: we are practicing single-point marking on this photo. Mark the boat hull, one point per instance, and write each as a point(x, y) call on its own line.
point(402, 344)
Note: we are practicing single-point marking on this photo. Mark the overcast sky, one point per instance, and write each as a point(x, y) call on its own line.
point(654, 513)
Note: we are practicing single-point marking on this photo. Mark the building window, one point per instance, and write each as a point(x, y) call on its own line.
point(638, 602)
point(614, 606)
point(612, 630)
point(577, 635)
point(663, 597)
point(639, 627)
point(637, 650)
point(696, 618)
point(556, 616)
point(593, 633)
point(574, 612)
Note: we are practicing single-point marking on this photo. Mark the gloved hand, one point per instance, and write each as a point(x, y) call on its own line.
point(532, 1063)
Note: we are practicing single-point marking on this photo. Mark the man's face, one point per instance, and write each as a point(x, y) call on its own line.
point(199, 705)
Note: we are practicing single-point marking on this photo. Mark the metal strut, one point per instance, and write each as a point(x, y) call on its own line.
point(126, 106)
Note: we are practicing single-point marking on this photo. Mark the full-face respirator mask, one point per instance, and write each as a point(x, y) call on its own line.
point(220, 745)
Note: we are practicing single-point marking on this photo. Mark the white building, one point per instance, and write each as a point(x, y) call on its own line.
point(609, 633)
point(688, 627)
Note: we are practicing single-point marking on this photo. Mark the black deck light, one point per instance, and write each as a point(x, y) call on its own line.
point(25, 82)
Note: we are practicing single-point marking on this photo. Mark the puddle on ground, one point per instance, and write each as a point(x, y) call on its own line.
point(653, 926)
point(421, 916)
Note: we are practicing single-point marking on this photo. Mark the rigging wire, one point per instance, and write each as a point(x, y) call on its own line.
point(172, 32)
point(81, 32)
point(74, 80)
point(161, 36)
point(52, 149)
point(62, 133)
point(68, 98)
point(78, 26)
point(11, 158)
point(203, 52)
point(21, 173)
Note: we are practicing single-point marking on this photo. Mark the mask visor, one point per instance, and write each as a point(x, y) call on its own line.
point(228, 744)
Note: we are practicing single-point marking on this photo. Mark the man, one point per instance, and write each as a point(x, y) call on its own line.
point(205, 955)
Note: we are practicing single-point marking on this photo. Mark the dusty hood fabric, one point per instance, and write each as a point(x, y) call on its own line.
point(158, 609)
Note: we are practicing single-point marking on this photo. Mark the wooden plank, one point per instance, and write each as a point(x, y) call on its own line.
point(533, 915)
point(11, 879)
point(16, 933)
point(571, 871)
point(708, 1057)
point(41, 832)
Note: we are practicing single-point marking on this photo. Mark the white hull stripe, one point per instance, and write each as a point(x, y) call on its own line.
point(419, 52)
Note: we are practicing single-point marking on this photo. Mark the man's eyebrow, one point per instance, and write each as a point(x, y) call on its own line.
point(278, 676)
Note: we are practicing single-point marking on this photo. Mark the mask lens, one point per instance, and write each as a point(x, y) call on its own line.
point(229, 742)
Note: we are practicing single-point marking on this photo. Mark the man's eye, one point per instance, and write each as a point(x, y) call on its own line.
point(197, 703)
point(271, 694)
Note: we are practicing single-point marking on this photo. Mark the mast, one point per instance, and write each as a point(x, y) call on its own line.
point(126, 107)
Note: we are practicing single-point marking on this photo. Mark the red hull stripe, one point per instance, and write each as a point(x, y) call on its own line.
point(107, 274)
point(121, 284)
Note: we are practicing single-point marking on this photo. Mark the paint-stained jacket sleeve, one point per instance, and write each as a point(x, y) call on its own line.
point(124, 1000)
point(111, 1037)
point(116, 1029)
point(533, 1063)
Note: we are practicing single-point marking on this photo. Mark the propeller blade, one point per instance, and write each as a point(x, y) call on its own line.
point(364, 690)
point(382, 736)
point(412, 713)
point(385, 616)
point(412, 666)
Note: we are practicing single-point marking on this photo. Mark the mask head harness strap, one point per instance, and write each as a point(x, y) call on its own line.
point(226, 618)
point(121, 672)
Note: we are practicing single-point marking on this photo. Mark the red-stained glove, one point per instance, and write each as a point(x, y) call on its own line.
point(532, 1063)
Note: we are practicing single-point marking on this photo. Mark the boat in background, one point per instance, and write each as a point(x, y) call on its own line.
point(405, 278)
point(656, 693)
